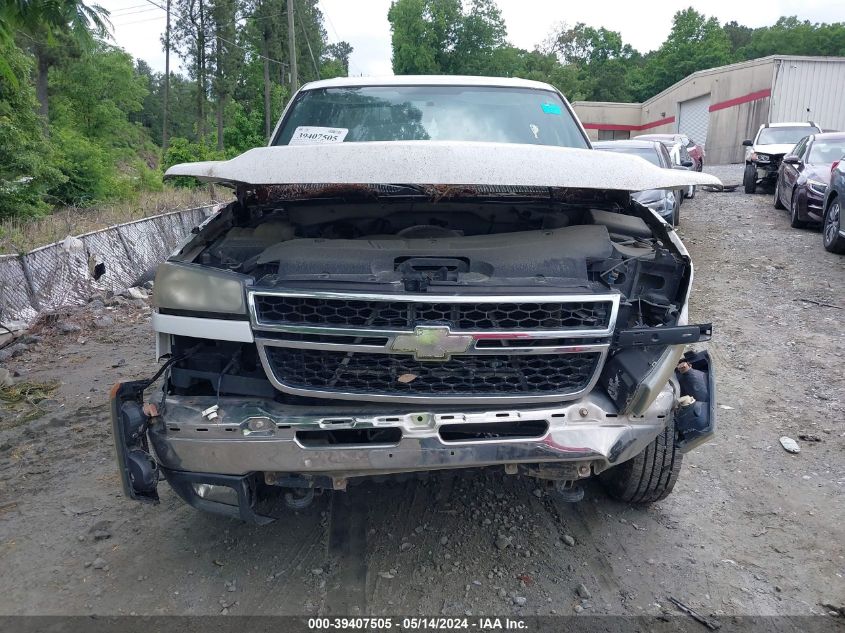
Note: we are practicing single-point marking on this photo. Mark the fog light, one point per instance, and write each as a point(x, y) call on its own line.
point(218, 494)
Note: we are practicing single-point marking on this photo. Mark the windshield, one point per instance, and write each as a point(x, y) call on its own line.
point(643, 152)
point(436, 113)
point(827, 151)
point(783, 135)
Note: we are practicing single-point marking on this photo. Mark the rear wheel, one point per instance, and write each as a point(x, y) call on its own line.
point(833, 242)
point(651, 475)
point(795, 220)
point(778, 203)
point(749, 178)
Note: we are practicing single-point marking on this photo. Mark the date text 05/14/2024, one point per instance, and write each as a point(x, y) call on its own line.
point(418, 624)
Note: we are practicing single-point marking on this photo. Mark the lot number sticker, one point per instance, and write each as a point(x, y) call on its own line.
point(312, 135)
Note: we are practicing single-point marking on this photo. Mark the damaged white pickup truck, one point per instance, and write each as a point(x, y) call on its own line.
point(420, 273)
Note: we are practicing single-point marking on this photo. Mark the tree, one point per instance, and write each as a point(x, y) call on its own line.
point(339, 52)
point(480, 33)
point(228, 56)
point(192, 35)
point(47, 25)
point(789, 36)
point(694, 43)
point(26, 172)
point(739, 36)
point(424, 33)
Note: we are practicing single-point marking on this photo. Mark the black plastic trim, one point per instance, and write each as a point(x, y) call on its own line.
point(672, 335)
point(697, 424)
point(127, 392)
point(183, 482)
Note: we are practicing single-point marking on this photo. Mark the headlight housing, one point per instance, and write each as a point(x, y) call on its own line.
point(760, 158)
point(817, 187)
point(662, 205)
point(196, 288)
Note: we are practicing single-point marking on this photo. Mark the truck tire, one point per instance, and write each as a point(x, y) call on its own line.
point(749, 178)
point(651, 475)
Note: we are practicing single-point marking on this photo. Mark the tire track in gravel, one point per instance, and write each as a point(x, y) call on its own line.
point(348, 548)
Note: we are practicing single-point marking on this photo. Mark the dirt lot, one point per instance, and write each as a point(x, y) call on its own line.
point(750, 529)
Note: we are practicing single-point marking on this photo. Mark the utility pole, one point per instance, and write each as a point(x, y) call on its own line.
point(294, 80)
point(164, 117)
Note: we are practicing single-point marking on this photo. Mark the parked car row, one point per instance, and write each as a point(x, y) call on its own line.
point(668, 154)
point(765, 153)
point(681, 143)
point(805, 165)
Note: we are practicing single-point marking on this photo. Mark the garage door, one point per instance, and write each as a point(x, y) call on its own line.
point(694, 118)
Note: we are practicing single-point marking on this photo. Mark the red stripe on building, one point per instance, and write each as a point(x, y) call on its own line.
point(751, 96)
point(629, 128)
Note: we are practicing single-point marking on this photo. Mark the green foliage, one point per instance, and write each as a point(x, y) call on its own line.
point(26, 172)
point(181, 150)
point(695, 42)
point(95, 94)
point(424, 35)
point(438, 37)
point(244, 130)
point(789, 36)
point(89, 174)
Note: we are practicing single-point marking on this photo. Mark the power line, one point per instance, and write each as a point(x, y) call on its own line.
point(269, 59)
point(158, 17)
point(129, 8)
point(156, 4)
point(122, 15)
point(334, 30)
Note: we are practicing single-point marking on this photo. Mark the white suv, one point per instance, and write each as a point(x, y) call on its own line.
point(765, 152)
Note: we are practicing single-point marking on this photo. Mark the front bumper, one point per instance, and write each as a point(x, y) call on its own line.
point(255, 441)
point(587, 431)
point(767, 171)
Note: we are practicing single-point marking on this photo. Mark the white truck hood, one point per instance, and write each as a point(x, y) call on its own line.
point(441, 163)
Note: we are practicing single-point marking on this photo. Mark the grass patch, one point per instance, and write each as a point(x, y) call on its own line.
point(22, 399)
point(21, 235)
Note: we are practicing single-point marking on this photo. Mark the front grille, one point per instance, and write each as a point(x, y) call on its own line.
point(399, 375)
point(285, 310)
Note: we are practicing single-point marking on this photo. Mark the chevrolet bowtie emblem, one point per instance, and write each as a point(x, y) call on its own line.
point(432, 342)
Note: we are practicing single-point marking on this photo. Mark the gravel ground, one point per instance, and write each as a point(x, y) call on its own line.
point(750, 528)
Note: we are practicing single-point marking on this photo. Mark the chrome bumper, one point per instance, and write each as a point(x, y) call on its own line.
point(254, 435)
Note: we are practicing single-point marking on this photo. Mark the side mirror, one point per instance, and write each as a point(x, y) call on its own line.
point(686, 163)
point(748, 142)
point(791, 159)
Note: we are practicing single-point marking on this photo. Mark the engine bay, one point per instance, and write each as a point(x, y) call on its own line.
point(454, 247)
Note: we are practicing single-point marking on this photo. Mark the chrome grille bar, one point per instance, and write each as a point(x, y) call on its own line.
point(302, 339)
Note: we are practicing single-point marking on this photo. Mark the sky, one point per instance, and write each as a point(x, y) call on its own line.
point(138, 25)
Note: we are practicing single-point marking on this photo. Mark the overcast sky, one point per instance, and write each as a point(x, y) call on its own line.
point(363, 23)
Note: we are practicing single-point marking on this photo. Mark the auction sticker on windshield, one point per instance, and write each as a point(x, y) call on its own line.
point(312, 135)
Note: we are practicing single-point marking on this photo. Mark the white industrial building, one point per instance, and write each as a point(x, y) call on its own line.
point(720, 107)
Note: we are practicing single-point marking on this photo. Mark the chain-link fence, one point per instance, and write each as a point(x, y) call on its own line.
point(71, 271)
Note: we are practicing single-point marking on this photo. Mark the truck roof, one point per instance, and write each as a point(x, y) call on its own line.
point(427, 80)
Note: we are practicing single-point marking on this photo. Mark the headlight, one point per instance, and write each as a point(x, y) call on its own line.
point(663, 205)
point(191, 287)
point(760, 158)
point(817, 187)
